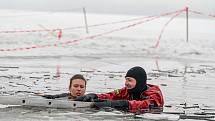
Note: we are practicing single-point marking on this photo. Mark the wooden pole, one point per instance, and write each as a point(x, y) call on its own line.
point(85, 20)
point(187, 31)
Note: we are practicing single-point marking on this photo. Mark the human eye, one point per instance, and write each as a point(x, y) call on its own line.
point(129, 79)
point(75, 85)
point(82, 86)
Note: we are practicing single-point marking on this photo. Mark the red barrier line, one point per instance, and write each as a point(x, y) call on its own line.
point(101, 34)
point(123, 21)
point(122, 28)
point(96, 25)
point(201, 13)
point(165, 25)
point(134, 24)
point(89, 37)
point(27, 31)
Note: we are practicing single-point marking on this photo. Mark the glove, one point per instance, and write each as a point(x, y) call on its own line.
point(117, 104)
point(87, 98)
point(56, 96)
point(49, 96)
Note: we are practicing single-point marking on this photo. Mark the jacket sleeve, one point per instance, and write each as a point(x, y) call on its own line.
point(154, 99)
point(117, 94)
point(56, 96)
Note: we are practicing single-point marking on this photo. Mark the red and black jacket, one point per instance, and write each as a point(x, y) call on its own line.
point(152, 96)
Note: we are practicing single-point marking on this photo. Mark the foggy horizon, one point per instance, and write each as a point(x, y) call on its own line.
point(131, 7)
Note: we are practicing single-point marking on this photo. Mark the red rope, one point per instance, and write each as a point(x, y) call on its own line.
point(100, 34)
point(201, 13)
point(165, 25)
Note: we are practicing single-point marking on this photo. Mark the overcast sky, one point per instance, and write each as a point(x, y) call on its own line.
point(136, 7)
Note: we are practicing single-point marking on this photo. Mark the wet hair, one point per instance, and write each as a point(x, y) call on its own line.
point(77, 76)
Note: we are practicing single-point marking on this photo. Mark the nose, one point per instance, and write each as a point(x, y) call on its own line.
point(126, 82)
point(79, 88)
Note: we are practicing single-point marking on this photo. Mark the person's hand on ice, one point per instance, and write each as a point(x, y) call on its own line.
point(87, 98)
point(117, 104)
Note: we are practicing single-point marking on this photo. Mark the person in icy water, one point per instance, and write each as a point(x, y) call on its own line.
point(77, 87)
point(136, 96)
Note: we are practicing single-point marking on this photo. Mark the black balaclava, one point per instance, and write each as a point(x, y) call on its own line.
point(139, 74)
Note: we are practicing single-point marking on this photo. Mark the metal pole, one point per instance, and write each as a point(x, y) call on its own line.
point(85, 20)
point(187, 23)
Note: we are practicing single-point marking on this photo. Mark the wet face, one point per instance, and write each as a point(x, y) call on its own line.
point(130, 82)
point(77, 88)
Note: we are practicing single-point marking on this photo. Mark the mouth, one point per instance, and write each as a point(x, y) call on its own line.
point(78, 94)
point(128, 87)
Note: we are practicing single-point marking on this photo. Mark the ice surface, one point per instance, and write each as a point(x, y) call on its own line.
point(184, 71)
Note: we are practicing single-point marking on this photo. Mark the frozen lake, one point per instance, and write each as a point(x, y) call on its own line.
point(184, 71)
